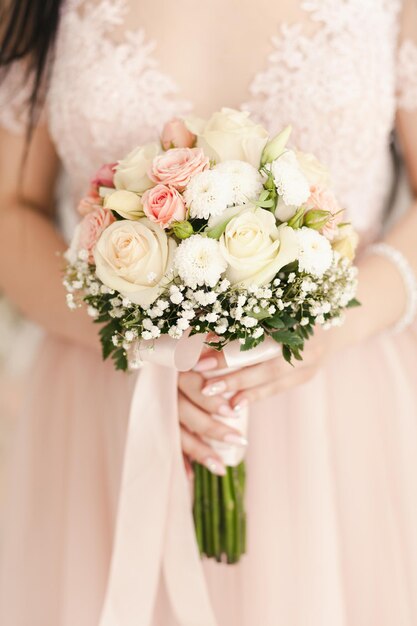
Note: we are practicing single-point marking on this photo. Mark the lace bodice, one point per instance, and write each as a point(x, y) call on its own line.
point(337, 75)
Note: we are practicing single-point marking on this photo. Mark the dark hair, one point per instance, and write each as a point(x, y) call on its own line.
point(28, 34)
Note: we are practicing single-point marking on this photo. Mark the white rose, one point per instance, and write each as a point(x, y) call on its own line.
point(255, 249)
point(230, 135)
point(218, 220)
point(315, 172)
point(126, 203)
point(132, 172)
point(134, 258)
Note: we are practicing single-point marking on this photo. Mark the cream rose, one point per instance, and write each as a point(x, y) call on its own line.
point(315, 172)
point(230, 135)
point(346, 241)
point(126, 203)
point(134, 258)
point(255, 249)
point(131, 173)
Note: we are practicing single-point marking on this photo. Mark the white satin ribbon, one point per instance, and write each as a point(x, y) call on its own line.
point(154, 527)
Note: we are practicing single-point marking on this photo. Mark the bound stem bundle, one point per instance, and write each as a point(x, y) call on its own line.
point(219, 513)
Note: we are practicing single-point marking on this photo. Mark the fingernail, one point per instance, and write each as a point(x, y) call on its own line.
point(215, 466)
point(236, 440)
point(206, 364)
point(214, 389)
point(243, 404)
point(225, 411)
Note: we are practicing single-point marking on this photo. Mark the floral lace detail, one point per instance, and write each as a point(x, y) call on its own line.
point(407, 76)
point(117, 97)
point(336, 86)
point(14, 94)
point(332, 76)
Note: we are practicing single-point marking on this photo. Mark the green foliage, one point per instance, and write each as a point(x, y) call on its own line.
point(106, 333)
point(217, 231)
point(353, 304)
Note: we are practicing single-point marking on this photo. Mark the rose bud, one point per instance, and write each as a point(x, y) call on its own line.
point(276, 146)
point(317, 219)
point(125, 203)
point(104, 176)
point(175, 134)
point(183, 229)
point(297, 220)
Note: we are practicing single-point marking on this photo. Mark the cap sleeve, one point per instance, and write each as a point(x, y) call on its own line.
point(407, 58)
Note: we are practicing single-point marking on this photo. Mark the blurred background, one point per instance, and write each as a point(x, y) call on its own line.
point(18, 343)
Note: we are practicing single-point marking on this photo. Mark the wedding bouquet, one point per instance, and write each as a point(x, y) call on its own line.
point(219, 231)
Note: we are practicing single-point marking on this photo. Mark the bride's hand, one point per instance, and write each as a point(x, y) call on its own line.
point(256, 382)
point(195, 414)
point(200, 397)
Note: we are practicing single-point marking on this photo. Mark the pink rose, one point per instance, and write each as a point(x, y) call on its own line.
point(177, 166)
point(163, 205)
point(89, 203)
point(323, 199)
point(175, 134)
point(91, 228)
point(104, 176)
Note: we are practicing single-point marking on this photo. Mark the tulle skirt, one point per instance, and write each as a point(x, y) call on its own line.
point(331, 498)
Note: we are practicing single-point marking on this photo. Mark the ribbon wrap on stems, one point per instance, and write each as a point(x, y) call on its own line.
point(154, 533)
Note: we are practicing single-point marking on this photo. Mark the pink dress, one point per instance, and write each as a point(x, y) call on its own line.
point(332, 465)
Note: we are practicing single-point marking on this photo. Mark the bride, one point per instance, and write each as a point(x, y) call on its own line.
point(332, 494)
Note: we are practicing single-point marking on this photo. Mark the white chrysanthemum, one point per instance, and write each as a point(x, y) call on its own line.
point(199, 262)
point(245, 180)
point(208, 193)
point(315, 252)
point(289, 179)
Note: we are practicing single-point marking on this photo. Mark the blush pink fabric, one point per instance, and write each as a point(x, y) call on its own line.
point(332, 465)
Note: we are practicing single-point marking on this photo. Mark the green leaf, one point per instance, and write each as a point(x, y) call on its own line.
point(288, 320)
point(266, 204)
point(106, 333)
point(297, 220)
point(217, 231)
point(264, 195)
point(353, 303)
point(291, 267)
point(251, 343)
point(297, 354)
point(288, 337)
point(287, 354)
point(120, 359)
point(275, 322)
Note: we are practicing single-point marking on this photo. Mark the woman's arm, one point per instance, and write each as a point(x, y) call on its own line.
point(381, 288)
point(30, 246)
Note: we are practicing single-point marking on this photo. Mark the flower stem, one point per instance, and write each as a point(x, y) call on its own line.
point(208, 532)
point(198, 507)
point(242, 483)
point(238, 512)
point(219, 513)
point(229, 507)
point(215, 510)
